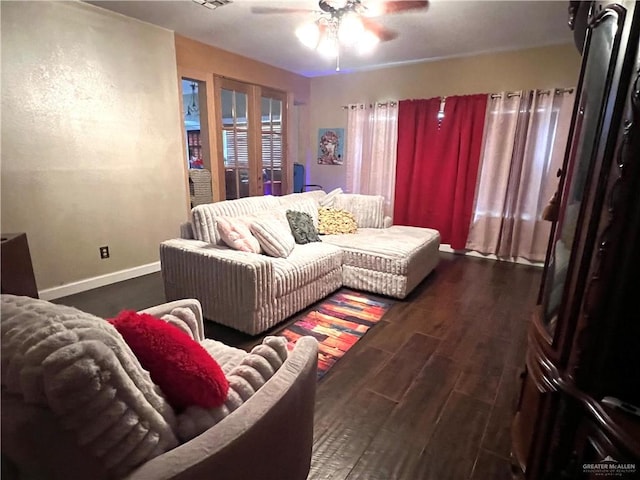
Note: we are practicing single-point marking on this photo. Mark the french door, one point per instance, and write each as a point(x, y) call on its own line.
point(234, 138)
point(252, 139)
point(273, 145)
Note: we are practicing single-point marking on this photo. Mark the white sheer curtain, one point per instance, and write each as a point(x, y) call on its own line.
point(525, 139)
point(372, 139)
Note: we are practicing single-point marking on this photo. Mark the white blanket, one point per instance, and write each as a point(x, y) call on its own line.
point(79, 367)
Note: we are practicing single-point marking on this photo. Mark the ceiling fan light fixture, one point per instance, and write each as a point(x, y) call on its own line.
point(212, 4)
point(328, 46)
point(374, 8)
point(350, 28)
point(367, 42)
point(339, 4)
point(347, 23)
point(309, 34)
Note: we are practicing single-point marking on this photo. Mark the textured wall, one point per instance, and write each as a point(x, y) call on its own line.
point(544, 67)
point(91, 140)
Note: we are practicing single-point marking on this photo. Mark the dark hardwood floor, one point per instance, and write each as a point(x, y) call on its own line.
point(428, 393)
point(135, 294)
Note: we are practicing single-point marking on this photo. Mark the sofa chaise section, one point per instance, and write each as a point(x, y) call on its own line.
point(390, 261)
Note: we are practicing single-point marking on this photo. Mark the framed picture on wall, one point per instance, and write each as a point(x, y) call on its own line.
point(330, 146)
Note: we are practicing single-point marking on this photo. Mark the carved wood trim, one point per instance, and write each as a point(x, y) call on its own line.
point(608, 238)
point(614, 428)
point(599, 14)
point(577, 280)
point(573, 10)
point(549, 380)
point(538, 331)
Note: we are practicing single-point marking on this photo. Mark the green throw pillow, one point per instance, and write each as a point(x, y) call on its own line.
point(302, 227)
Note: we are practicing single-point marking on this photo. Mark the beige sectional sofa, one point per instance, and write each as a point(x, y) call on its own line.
point(253, 292)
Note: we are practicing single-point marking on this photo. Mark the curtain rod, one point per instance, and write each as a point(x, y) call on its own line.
point(362, 105)
point(557, 91)
point(509, 95)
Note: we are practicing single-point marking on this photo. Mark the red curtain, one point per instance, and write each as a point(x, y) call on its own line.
point(437, 165)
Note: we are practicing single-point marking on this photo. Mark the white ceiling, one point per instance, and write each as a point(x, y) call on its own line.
point(448, 28)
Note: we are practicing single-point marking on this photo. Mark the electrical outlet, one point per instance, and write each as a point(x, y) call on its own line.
point(104, 252)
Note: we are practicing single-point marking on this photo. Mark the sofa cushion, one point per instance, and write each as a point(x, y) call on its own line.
point(302, 227)
point(252, 371)
point(334, 221)
point(308, 205)
point(274, 235)
point(368, 210)
point(306, 264)
point(388, 250)
point(235, 233)
point(79, 367)
point(227, 357)
point(179, 365)
point(185, 319)
point(315, 195)
point(203, 217)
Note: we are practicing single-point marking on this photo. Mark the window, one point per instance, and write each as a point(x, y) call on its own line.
point(272, 144)
point(235, 142)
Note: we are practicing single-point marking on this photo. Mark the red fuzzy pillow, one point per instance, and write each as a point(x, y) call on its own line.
point(179, 365)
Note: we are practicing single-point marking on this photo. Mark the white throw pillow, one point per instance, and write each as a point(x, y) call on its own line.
point(274, 235)
point(368, 210)
point(328, 200)
point(235, 233)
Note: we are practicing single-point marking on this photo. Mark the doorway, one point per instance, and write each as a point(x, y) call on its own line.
point(253, 139)
point(198, 152)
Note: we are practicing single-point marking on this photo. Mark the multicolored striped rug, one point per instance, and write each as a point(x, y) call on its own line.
point(338, 322)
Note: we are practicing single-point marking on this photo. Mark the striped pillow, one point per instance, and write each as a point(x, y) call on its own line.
point(274, 236)
point(248, 373)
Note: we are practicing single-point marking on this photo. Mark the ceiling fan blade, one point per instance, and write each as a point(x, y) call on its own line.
point(262, 10)
point(383, 33)
point(399, 6)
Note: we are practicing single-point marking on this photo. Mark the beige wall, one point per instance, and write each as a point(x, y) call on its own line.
point(545, 67)
point(91, 138)
point(200, 57)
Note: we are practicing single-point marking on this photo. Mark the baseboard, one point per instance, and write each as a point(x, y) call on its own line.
point(471, 253)
point(99, 281)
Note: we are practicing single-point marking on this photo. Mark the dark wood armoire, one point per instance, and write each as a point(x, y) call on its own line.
point(584, 341)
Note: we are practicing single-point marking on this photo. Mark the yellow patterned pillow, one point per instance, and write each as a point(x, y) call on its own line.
point(333, 221)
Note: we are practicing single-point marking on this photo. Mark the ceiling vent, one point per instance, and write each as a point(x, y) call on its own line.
point(212, 4)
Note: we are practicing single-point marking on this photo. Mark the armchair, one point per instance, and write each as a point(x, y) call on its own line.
point(268, 437)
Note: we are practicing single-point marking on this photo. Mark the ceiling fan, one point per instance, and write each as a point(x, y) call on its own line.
point(374, 7)
point(346, 22)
